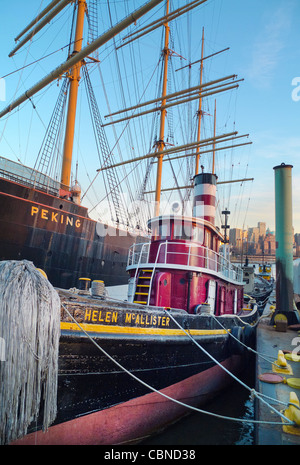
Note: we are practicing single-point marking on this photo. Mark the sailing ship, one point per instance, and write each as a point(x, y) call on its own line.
point(128, 368)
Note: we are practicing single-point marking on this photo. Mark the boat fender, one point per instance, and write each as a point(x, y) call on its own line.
point(235, 346)
point(250, 336)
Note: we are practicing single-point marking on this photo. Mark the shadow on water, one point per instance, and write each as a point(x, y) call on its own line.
point(203, 429)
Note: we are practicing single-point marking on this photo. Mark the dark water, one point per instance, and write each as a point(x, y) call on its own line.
point(202, 429)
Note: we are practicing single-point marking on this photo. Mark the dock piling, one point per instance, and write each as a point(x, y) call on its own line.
point(284, 244)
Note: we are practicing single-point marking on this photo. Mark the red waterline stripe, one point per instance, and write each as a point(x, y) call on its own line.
point(137, 417)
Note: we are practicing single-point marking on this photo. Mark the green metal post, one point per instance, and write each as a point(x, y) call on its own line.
point(284, 243)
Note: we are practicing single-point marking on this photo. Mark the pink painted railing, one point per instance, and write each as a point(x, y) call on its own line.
point(185, 254)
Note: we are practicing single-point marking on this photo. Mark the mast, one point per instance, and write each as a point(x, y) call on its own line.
point(214, 143)
point(86, 51)
point(200, 107)
point(161, 143)
point(74, 78)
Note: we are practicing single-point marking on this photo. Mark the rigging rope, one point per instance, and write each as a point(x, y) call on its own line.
point(196, 409)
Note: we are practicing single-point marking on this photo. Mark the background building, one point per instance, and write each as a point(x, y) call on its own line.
point(257, 240)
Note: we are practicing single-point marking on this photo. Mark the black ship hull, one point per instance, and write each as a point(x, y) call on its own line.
point(58, 236)
point(92, 382)
point(110, 396)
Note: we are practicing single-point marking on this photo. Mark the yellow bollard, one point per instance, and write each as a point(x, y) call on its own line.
point(281, 360)
point(293, 414)
point(281, 365)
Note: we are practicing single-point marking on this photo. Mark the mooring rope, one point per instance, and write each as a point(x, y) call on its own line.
point(249, 324)
point(263, 356)
point(253, 391)
point(196, 409)
point(30, 329)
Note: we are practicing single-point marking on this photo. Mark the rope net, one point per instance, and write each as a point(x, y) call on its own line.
point(30, 329)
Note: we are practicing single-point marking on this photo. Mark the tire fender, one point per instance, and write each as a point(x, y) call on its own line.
point(235, 346)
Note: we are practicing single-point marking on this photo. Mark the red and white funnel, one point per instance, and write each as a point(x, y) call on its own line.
point(204, 206)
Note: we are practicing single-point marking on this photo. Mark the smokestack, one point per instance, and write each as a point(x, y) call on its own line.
point(205, 196)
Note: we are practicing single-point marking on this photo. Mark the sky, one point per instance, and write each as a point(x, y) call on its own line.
point(267, 56)
point(263, 36)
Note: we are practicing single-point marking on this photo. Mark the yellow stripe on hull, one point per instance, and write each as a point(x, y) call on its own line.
point(138, 330)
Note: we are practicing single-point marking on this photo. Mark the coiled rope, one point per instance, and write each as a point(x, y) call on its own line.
point(196, 409)
point(30, 328)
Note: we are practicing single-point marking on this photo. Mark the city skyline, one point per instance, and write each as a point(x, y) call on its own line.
point(258, 240)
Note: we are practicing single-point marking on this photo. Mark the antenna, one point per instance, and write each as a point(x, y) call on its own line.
point(226, 225)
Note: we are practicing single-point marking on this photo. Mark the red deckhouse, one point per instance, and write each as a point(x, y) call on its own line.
point(185, 266)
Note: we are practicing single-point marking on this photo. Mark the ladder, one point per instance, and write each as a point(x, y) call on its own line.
point(50, 141)
point(92, 18)
point(142, 289)
point(103, 148)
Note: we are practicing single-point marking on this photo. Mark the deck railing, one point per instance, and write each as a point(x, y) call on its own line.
point(185, 254)
point(30, 177)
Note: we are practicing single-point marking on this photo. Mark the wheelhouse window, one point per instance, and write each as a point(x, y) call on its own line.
point(161, 231)
point(198, 233)
point(188, 231)
point(216, 244)
point(207, 238)
point(182, 230)
point(164, 230)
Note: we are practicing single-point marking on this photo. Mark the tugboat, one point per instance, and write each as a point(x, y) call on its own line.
point(127, 369)
point(265, 271)
point(257, 286)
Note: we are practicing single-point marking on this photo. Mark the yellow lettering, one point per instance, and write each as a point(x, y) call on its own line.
point(167, 321)
point(34, 210)
point(163, 321)
point(54, 217)
point(142, 320)
point(128, 318)
point(69, 221)
point(87, 315)
point(147, 321)
point(154, 320)
point(114, 317)
point(77, 223)
point(44, 214)
point(159, 318)
point(100, 314)
point(107, 317)
point(137, 319)
point(95, 315)
point(62, 219)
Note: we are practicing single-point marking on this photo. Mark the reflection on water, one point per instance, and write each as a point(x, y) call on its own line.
point(202, 429)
